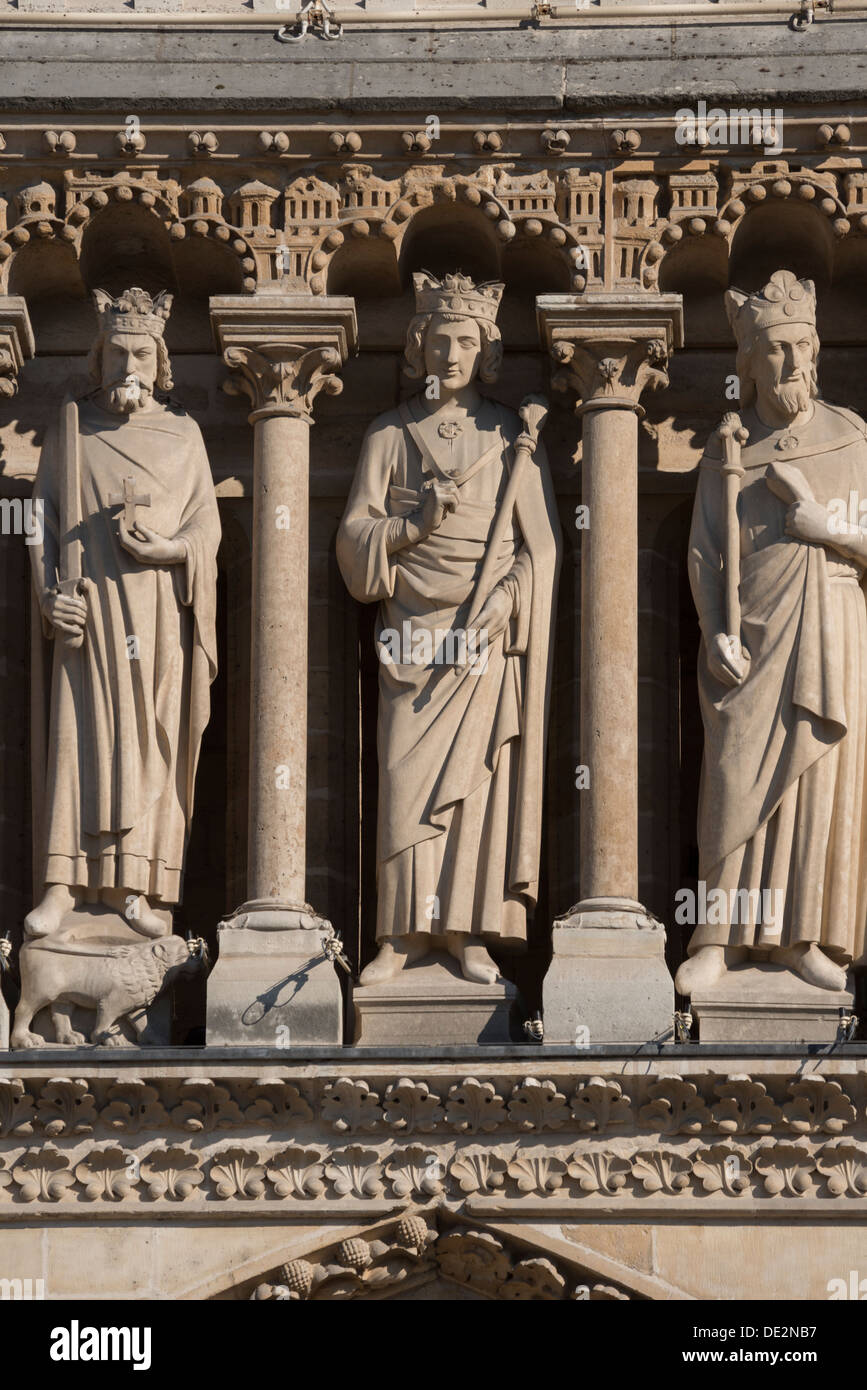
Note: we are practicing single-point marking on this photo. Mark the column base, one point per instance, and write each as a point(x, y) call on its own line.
point(769, 1004)
point(608, 981)
point(431, 1005)
point(272, 985)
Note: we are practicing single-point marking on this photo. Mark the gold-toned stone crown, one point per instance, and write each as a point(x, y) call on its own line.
point(134, 311)
point(456, 294)
point(785, 299)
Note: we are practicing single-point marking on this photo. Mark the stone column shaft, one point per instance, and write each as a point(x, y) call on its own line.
point(277, 827)
point(608, 982)
point(273, 983)
point(609, 656)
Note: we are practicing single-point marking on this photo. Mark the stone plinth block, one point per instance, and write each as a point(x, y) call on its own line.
point(273, 988)
point(769, 1004)
point(433, 1005)
point(608, 981)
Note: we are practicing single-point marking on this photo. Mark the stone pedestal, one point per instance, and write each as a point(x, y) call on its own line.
point(767, 1004)
point(433, 1005)
point(608, 981)
point(274, 988)
point(608, 348)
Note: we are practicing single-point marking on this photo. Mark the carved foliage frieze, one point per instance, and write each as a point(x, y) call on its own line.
point(347, 1139)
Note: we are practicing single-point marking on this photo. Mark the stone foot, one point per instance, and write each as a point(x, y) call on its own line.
point(138, 913)
point(812, 965)
point(24, 1038)
point(700, 970)
point(46, 917)
point(392, 957)
point(476, 965)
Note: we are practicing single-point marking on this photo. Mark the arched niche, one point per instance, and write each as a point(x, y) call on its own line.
point(843, 306)
point(126, 244)
point(842, 315)
point(781, 234)
point(364, 267)
point(697, 268)
point(449, 236)
point(201, 267)
point(46, 273)
point(530, 266)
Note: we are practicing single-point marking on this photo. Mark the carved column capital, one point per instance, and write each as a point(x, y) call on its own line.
point(283, 349)
point(16, 342)
point(608, 348)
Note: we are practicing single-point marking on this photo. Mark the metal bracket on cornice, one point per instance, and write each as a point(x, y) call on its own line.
point(802, 20)
point(316, 16)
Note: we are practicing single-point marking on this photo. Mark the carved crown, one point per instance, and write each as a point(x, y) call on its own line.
point(134, 311)
point(456, 294)
point(785, 299)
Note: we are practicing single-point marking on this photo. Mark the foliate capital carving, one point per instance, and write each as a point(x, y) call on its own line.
point(609, 348)
point(283, 349)
point(282, 378)
point(16, 342)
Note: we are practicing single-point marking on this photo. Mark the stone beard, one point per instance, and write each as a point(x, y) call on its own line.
point(461, 749)
point(782, 803)
point(128, 707)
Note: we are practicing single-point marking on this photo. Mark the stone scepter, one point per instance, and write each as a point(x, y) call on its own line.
point(733, 436)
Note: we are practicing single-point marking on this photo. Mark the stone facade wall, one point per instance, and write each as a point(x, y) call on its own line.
point(212, 160)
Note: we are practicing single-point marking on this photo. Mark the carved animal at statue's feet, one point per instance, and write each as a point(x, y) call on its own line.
point(115, 981)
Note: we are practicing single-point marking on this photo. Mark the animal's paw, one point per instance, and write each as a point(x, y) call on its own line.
point(71, 1038)
point(27, 1039)
point(113, 1038)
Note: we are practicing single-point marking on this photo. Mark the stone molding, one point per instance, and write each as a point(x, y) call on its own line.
point(501, 1140)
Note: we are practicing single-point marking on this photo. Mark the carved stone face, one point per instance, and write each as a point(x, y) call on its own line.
point(129, 370)
point(452, 351)
point(782, 367)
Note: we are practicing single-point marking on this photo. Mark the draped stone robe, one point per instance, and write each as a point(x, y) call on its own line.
point(782, 802)
point(461, 750)
point(113, 782)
